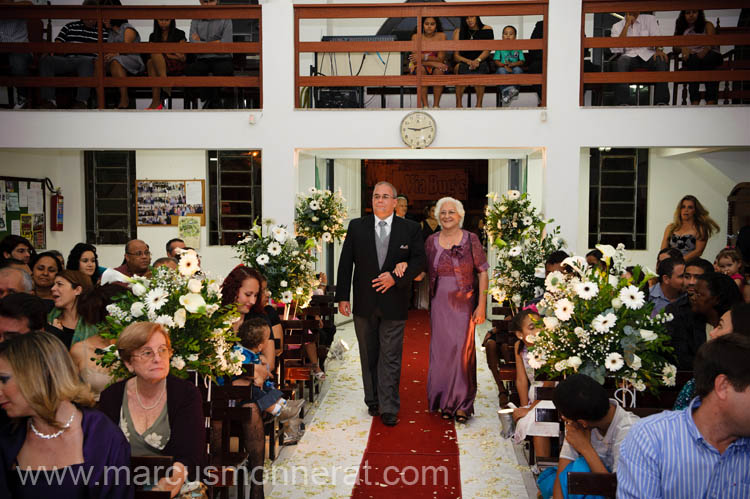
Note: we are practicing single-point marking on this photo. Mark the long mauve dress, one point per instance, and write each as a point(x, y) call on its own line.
point(452, 377)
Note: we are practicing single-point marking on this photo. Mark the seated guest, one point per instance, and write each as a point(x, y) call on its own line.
point(166, 261)
point(93, 310)
point(16, 31)
point(651, 58)
point(670, 286)
point(433, 63)
point(714, 294)
point(693, 268)
point(12, 263)
point(210, 31)
point(663, 254)
point(70, 290)
point(14, 281)
point(160, 415)
point(736, 320)
point(703, 450)
point(507, 62)
point(82, 31)
point(472, 61)
point(17, 247)
point(730, 263)
point(173, 245)
point(121, 65)
point(693, 22)
point(242, 288)
point(524, 328)
point(83, 257)
point(254, 334)
point(21, 313)
point(137, 259)
point(56, 429)
point(595, 258)
point(44, 268)
point(171, 64)
point(595, 427)
point(554, 261)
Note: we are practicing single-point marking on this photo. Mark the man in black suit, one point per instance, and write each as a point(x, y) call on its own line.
point(374, 245)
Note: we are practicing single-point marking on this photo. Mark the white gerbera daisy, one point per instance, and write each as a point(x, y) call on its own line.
point(314, 205)
point(262, 259)
point(586, 290)
point(564, 309)
point(188, 263)
point(614, 361)
point(155, 299)
point(603, 323)
point(312, 190)
point(513, 195)
point(274, 249)
point(527, 220)
point(286, 297)
point(632, 297)
point(514, 251)
point(668, 375)
point(327, 237)
point(537, 359)
point(554, 280)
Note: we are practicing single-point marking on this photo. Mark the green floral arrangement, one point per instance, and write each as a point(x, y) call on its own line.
point(320, 215)
point(189, 308)
point(522, 242)
point(596, 322)
point(288, 267)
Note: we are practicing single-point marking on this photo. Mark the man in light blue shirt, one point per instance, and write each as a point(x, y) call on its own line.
point(670, 286)
point(704, 450)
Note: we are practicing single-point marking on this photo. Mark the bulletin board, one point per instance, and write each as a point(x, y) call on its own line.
point(23, 204)
point(163, 202)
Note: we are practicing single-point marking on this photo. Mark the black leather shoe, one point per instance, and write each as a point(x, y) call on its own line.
point(389, 419)
point(372, 410)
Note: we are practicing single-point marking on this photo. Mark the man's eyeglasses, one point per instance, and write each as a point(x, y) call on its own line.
point(148, 354)
point(140, 253)
point(384, 197)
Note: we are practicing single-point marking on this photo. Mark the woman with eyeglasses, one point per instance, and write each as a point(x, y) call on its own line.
point(454, 258)
point(57, 436)
point(160, 415)
point(70, 290)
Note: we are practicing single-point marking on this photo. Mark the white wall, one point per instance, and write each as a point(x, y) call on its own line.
point(670, 178)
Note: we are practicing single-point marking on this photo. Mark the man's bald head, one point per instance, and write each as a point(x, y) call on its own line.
point(14, 281)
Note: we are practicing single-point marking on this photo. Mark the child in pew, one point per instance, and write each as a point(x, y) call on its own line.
point(254, 333)
point(524, 328)
point(595, 427)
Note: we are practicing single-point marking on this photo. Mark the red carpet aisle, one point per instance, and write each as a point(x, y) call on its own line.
point(402, 461)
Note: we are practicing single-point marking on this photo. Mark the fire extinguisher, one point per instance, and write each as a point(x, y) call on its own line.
point(56, 211)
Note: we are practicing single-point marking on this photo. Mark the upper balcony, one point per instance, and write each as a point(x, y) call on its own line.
point(363, 55)
point(32, 66)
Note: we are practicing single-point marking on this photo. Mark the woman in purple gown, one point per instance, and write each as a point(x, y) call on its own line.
point(454, 256)
point(56, 445)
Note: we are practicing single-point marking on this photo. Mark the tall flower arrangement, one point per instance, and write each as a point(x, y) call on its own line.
point(519, 234)
point(320, 215)
point(200, 329)
point(288, 266)
point(596, 322)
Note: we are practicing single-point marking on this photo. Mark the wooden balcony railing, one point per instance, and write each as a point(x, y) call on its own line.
point(419, 45)
point(727, 74)
point(100, 80)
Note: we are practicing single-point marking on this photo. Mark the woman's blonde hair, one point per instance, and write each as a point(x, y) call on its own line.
point(459, 209)
point(704, 224)
point(136, 335)
point(45, 374)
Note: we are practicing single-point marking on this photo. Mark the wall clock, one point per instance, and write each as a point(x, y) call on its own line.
point(418, 129)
